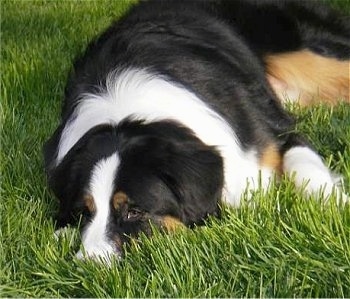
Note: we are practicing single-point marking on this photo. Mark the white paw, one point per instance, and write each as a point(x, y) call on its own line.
point(60, 232)
point(104, 255)
point(311, 175)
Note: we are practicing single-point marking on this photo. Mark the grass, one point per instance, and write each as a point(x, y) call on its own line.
point(282, 246)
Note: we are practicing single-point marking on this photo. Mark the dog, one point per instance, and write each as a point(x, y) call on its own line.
point(178, 107)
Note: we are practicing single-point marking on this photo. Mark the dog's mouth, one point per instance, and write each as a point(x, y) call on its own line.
point(105, 233)
point(111, 245)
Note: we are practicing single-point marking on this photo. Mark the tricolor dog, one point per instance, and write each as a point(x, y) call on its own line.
point(177, 107)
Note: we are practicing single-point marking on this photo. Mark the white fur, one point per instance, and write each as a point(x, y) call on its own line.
point(145, 96)
point(309, 172)
point(94, 239)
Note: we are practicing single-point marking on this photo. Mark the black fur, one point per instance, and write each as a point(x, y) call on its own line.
point(70, 178)
point(213, 48)
point(164, 169)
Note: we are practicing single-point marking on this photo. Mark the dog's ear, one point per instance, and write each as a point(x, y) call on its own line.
point(58, 177)
point(194, 173)
point(70, 178)
point(167, 153)
point(50, 150)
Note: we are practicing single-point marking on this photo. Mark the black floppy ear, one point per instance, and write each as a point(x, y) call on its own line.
point(50, 150)
point(70, 178)
point(67, 181)
point(59, 176)
point(190, 169)
point(194, 173)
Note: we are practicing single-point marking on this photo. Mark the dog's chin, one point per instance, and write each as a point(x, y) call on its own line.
point(101, 249)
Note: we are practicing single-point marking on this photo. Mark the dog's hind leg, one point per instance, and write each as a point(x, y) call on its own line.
point(317, 68)
point(308, 77)
point(304, 46)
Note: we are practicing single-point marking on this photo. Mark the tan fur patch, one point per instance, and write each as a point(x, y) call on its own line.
point(119, 199)
point(89, 203)
point(271, 158)
point(171, 223)
point(308, 77)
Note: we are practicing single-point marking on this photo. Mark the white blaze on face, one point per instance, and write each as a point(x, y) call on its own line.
point(94, 237)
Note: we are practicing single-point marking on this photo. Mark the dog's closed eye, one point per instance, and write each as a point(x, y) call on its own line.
point(134, 214)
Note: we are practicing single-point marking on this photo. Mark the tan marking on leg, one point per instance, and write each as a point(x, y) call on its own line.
point(171, 223)
point(119, 199)
point(89, 203)
point(308, 77)
point(271, 158)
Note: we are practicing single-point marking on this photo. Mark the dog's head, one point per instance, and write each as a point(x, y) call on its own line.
point(125, 179)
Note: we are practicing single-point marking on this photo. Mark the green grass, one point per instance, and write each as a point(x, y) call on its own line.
point(283, 245)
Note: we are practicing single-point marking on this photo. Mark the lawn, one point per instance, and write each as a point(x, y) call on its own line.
point(283, 245)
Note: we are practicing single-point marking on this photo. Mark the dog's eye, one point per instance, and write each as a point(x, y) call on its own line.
point(133, 214)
